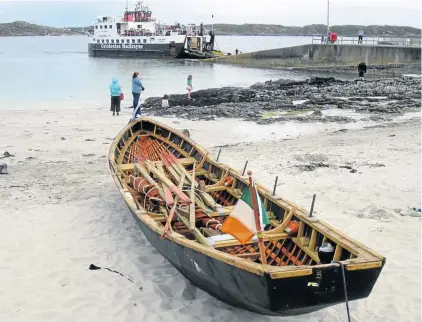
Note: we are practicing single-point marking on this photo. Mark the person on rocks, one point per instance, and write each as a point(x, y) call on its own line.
point(189, 86)
point(137, 88)
point(361, 70)
point(115, 92)
point(165, 101)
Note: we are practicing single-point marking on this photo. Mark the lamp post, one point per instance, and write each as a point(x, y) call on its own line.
point(328, 16)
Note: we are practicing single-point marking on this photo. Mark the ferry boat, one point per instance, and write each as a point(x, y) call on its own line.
point(139, 35)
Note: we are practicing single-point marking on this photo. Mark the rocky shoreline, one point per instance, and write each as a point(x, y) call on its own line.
point(306, 101)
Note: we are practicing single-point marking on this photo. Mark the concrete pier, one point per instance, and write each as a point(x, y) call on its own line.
point(314, 55)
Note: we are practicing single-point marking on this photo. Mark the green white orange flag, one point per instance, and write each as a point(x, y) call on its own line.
point(241, 222)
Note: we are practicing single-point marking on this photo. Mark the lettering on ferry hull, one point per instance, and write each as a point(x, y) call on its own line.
point(121, 46)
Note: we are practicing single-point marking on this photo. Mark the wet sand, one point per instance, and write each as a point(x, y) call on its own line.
point(60, 211)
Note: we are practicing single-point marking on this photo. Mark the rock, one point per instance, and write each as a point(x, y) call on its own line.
point(379, 97)
point(3, 168)
point(410, 213)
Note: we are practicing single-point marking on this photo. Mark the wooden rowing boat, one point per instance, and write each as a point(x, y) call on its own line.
point(179, 196)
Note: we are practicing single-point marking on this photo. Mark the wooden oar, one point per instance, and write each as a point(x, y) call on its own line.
point(181, 169)
point(146, 175)
point(178, 191)
point(171, 215)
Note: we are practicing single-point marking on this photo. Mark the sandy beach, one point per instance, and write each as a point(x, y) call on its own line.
point(60, 211)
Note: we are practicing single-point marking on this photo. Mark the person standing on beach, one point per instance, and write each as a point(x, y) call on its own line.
point(189, 86)
point(360, 35)
point(115, 91)
point(361, 70)
point(137, 88)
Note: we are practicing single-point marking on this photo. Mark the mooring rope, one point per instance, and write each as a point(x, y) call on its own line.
point(345, 289)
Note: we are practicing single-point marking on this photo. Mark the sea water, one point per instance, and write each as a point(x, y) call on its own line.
point(56, 72)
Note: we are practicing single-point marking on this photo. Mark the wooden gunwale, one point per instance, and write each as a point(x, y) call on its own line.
point(366, 258)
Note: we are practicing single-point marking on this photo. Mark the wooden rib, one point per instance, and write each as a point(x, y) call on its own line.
point(283, 225)
point(313, 239)
point(337, 253)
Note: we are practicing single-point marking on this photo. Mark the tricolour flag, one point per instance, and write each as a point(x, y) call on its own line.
point(241, 222)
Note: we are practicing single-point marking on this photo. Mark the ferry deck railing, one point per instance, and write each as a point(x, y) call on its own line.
point(367, 40)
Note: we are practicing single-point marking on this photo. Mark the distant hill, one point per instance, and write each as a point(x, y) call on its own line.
point(308, 30)
point(22, 28)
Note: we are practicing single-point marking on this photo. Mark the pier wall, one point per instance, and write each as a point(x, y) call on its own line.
point(326, 55)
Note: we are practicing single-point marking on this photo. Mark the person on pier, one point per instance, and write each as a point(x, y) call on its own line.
point(360, 36)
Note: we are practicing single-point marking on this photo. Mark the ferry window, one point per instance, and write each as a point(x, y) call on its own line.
point(107, 41)
point(111, 27)
point(139, 41)
point(96, 27)
point(133, 41)
point(128, 41)
point(102, 41)
point(139, 26)
point(117, 41)
point(112, 41)
point(98, 41)
point(105, 27)
point(101, 27)
point(145, 40)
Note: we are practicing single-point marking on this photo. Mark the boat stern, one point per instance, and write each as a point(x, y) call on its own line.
point(308, 290)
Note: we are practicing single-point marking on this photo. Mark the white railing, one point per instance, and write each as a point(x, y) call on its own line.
point(387, 41)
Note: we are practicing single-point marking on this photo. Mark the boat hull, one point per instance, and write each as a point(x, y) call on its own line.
point(139, 51)
point(260, 293)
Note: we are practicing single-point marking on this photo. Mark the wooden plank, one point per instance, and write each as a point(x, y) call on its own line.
point(291, 273)
point(126, 166)
point(355, 267)
point(192, 197)
point(215, 188)
point(311, 253)
point(235, 242)
point(186, 161)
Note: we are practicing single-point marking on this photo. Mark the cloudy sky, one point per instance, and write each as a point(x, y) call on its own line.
point(61, 13)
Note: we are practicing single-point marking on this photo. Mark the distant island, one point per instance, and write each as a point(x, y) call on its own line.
point(22, 28)
point(310, 30)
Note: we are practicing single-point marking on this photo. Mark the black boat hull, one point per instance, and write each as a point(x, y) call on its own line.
point(138, 51)
point(261, 293)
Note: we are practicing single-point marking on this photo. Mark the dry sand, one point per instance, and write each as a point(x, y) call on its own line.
point(60, 211)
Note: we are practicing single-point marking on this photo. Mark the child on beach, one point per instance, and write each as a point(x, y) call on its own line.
point(189, 86)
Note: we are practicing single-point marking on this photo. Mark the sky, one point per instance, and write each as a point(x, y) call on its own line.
point(64, 13)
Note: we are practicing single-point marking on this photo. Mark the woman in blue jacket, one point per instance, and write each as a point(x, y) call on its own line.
point(137, 88)
point(115, 91)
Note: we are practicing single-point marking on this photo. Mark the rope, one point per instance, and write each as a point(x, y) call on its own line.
point(345, 290)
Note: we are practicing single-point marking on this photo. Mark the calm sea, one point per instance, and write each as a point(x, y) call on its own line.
point(57, 72)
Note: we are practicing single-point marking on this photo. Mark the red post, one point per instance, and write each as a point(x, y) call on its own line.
point(257, 222)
